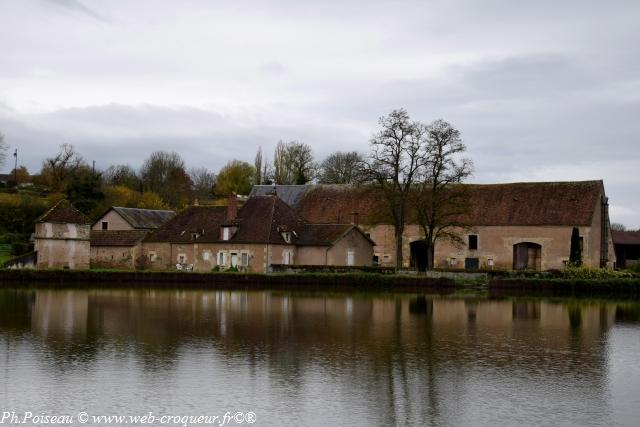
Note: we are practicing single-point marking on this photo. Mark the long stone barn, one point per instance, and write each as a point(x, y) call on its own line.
point(509, 226)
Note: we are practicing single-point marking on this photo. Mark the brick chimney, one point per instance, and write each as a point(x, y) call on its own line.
point(354, 218)
point(232, 207)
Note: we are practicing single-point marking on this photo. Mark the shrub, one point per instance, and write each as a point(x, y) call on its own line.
point(215, 269)
point(19, 248)
point(572, 272)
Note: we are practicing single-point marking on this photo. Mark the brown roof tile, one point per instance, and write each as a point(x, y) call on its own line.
point(204, 220)
point(263, 218)
point(117, 237)
point(64, 212)
point(325, 234)
point(529, 204)
point(625, 237)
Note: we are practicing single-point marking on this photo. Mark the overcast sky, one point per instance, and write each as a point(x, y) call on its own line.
point(544, 90)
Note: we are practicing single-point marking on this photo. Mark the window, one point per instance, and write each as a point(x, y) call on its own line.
point(386, 258)
point(105, 225)
point(581, 244)
point(206, 255)
point(234, 259)
point(473, 242)
point(245, 259)
point(490, 262)
point(225, 233)
point(221, 258)
point(453, 262)
point(286, 236)
point(287, 257)
point(350, 257)
point(153, 256)
point(182, 258)
point(195, 236)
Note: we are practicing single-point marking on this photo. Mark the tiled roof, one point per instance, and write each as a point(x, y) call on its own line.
point(290, 194)
point(527, 204)
point(263, 218)
point(64, 212)
point(325, 234)
point(117, 237)
point(625, 237)
point(144, 218)
point(204, 220)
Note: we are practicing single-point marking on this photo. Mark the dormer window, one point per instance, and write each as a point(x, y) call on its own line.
point(226, 233)
point(195, 236)
point(286, 235)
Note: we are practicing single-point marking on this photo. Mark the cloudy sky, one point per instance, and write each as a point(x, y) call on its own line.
point(542, 90)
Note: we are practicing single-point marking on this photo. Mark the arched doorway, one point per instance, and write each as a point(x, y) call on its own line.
point(418, 252)
point(527, 256)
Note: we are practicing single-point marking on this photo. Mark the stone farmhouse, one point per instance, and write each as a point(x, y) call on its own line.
point(264, 232)
point(510, 226)
point(116, 237)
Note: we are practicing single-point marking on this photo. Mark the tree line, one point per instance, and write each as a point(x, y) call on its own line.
point(415, 166)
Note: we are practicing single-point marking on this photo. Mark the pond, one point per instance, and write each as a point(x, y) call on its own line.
point(315, 359)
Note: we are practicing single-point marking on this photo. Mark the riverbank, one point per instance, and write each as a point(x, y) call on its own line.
point(153, 279)
point(629, 287)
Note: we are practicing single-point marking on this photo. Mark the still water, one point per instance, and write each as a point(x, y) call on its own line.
point(344, 359)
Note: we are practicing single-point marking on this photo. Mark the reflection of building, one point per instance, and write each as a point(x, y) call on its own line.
point(401, 359)
point(519, 225)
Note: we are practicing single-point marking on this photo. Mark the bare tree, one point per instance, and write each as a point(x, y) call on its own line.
point(122, 175)
point(58, 170)
point(441, 202)
point(293, 163)
point(203, 182)
point(281, 172)
point(341, 168)
point(394, 165)
point(616, 226)
point(257, 164)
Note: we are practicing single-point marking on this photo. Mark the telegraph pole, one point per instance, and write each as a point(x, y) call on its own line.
point(15, 167)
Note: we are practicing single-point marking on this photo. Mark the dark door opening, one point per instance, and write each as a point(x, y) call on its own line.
point(471, 263)
point(527, 256)
point(419, 255)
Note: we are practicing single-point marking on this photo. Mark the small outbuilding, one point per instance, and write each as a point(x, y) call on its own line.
point(627, 246)
point(62, 238)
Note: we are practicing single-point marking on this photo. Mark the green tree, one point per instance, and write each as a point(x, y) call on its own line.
point(235, 177)
point(84, 189)
point(575, 252)
point(164, 174)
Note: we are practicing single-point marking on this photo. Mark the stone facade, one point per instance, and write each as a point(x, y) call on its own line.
point(62, 245)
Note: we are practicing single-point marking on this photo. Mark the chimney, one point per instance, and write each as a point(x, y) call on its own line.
point(232, 207)
point(354, 218)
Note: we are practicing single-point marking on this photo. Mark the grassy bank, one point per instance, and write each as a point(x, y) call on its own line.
point(149, 279)
point(627, 286)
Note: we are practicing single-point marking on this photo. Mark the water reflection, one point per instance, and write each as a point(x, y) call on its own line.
point(352, 359)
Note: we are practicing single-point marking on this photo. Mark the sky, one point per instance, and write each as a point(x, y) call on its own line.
point(541, 91)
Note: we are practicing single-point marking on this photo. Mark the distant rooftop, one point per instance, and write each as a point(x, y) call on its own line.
point(290, 194)
point(144, 218)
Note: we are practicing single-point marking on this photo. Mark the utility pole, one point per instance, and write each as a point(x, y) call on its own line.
point(15, 167)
